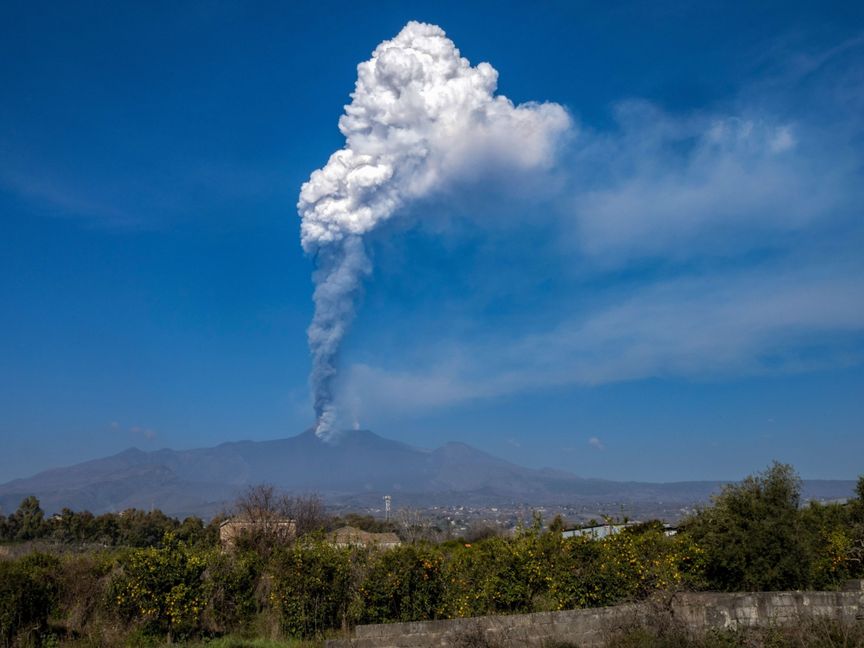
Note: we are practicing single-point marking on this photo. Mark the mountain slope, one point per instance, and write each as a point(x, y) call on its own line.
point(359, 468)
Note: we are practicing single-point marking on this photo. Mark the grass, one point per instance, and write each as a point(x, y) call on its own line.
point(240, 642)
point(231, 641)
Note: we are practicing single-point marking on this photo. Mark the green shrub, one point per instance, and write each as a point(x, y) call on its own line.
point(160, 590)
point(831, 543)
point(632, 566)
point(536, 571)
point(494, 576)
point(578, 580)
point(403, 584)
point(28, 596)
point(753, 536)
point(82, 583)
point(230, 585)
point(310, 588)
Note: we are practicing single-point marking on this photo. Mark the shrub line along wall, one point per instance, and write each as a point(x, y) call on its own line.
point(696, 611)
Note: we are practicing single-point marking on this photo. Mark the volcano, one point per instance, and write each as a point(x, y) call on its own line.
point(357, 470)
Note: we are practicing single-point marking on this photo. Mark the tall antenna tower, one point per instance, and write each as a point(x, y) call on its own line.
point(387, 500)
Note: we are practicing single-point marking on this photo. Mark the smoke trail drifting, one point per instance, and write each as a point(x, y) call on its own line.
point(420, 116)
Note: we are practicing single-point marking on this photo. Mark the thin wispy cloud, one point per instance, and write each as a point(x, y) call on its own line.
point(693, 328)
point(176, 192)
point(678, 189)
point(144, 433)
point(56, 198)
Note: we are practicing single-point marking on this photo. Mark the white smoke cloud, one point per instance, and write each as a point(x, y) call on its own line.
point(421, 117)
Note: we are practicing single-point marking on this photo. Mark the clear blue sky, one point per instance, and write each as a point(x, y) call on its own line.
point(680, 296)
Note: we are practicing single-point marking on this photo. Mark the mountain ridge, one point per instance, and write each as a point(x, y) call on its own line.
point(356, 470)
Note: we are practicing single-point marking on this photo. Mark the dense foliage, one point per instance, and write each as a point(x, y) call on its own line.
point(757, 537)
point(28, 595)
point(130, 528)
point(181, 584)
point(311, 587)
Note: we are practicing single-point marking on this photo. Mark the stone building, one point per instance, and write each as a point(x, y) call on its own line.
point(232, 529)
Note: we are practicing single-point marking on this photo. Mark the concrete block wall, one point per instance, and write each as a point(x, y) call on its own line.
point(591, 627)
point(704, 610)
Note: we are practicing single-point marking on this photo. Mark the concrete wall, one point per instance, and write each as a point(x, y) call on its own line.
point(591, 627)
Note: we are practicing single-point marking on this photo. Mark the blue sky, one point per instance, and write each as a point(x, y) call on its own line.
point(678, 294)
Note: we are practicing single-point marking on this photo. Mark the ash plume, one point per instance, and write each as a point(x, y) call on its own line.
point(421, 116)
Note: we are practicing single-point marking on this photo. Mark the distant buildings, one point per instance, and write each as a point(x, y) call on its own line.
point(349, 536)
point(600, 531)
point(231, 531)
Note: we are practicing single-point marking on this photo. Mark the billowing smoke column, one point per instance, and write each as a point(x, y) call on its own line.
point(420, 116)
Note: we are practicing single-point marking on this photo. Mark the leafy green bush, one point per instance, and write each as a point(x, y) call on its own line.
point(230, 585)
point(495, 576)
point(403, 584)
point(632, 566)
point(160, 590)
point(753, 537)
point(536, 571)
point(310, 587)
point(82, 581)
point(28, 595)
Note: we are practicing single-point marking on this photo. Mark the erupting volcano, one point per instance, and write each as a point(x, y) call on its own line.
point(420, 117)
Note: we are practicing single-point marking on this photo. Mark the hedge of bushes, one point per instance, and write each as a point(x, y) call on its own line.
point(310, 588)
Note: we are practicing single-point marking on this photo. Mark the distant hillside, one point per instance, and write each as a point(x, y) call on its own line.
point(359, 468)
